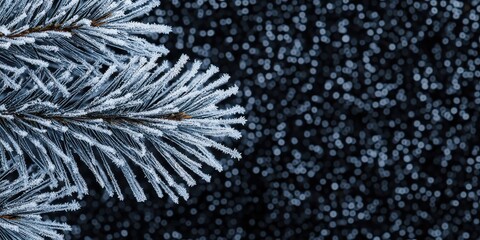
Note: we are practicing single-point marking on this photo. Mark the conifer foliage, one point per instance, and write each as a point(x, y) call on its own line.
point(79, 85)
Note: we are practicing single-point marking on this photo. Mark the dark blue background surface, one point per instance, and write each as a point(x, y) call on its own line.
point(362, 119)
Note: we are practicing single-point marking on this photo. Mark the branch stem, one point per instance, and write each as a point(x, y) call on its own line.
point(9, 217)
point(56, 27)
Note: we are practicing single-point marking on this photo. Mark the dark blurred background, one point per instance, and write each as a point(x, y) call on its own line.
point(362, 119)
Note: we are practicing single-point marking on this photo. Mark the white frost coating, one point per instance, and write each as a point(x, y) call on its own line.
point(40, 83)
point(33, 61)
point(142, 28)
point(16, 20)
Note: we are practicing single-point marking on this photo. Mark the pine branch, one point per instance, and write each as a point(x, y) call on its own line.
point(112, 117)
point(38, 35)
point(79, 86)
point(59, 27)
point(24, 200)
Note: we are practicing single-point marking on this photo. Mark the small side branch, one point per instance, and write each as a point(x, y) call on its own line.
point(179, 116)
point(9, 217)
point(56, 27)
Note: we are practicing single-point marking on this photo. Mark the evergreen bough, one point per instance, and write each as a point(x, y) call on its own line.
point(80, 86)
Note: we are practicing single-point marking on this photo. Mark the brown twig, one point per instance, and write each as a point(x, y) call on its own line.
point(180, 116)
point(100, 21)
point(57, 27)
point(9, 217)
